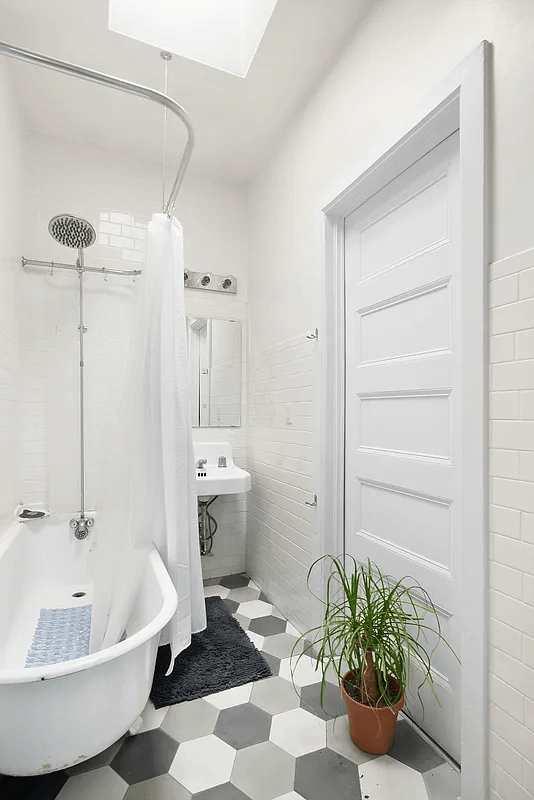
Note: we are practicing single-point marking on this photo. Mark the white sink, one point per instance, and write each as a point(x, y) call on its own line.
point(215, 480)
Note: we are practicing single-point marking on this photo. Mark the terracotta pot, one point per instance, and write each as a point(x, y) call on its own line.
point(371, 729)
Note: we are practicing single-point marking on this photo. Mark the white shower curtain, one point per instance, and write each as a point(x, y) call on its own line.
point(148, 476)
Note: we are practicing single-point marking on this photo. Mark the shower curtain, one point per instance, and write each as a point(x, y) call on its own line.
point(148, 477)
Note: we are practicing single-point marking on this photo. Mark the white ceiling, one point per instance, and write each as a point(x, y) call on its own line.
point(237, 121)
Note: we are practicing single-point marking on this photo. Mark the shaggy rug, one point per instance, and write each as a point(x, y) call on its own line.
point(221, 657)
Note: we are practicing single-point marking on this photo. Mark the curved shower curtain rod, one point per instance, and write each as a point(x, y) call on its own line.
point(124, 86)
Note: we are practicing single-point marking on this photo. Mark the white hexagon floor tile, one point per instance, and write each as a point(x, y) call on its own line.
point(304, 672)
point(256, 608)
point(338, 739)
point(443, 782)
point(298, 732)
point(231, 697)
point(203, 763)
point(387, 779)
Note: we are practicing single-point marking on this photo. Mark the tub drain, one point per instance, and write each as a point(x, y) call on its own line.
point(79, 594)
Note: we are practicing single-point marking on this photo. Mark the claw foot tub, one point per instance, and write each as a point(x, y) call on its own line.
point(54, 716)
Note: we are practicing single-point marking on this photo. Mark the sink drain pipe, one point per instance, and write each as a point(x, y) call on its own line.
point(207, 526)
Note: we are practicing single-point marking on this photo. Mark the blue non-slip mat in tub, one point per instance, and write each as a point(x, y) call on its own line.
point(62, 634)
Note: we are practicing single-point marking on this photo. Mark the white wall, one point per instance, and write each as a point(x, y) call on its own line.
point(401, 51)
point(10, 252)
point(118, 195)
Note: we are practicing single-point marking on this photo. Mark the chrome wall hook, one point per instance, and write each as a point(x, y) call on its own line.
point(311, 505)
point(313, 335)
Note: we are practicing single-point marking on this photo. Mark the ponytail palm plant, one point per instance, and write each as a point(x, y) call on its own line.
point(374, 628)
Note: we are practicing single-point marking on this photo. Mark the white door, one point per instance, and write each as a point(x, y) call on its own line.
point(403, 420)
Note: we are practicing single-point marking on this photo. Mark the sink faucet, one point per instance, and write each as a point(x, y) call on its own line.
point(201, 463)
point(222, 461)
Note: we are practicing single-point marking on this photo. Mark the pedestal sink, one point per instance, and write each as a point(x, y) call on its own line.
point(213, 478)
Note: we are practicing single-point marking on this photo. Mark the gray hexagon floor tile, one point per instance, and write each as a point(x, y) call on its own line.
point(263, 771)
point(274, 695)
point(211, 581)
point(243, 621)
point(186, 721)
point(333, 704)
point(225, 792)
point(268, 626)
point(281, 645)
point(235, 581)
point(325, 774)
point(244, 595)
point(231, 605)
point(273, 662)
point(242, 726)
point(411, 749)
point(145, 756)
point(162, 788)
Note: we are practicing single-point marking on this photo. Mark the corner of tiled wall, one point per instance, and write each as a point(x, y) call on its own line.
point(511, 523)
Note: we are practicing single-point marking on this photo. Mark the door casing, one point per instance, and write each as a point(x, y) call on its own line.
point(459, 102)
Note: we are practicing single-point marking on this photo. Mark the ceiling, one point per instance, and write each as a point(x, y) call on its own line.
point(237, 121)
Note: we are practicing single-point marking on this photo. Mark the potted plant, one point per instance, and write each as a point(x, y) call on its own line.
point(372, 635)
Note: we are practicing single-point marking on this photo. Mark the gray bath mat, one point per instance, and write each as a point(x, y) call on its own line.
point(62, 634)
point(221, 657)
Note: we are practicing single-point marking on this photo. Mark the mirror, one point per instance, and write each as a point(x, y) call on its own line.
point(215, 372)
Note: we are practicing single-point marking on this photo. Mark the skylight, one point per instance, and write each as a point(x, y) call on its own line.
point(224, 34)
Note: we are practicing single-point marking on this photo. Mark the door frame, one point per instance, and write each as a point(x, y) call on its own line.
point(460, 102)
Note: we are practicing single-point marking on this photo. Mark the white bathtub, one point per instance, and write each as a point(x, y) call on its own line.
point(55, 716)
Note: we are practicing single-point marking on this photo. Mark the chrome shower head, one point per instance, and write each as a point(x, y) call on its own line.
point(72, 231)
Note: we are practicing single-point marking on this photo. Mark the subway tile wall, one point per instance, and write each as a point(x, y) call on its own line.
point(10, 270)
point(511, 522)
point(118, 195)
point(280, 457)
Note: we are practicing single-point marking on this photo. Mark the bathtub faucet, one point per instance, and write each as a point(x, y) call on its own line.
point(81, 526)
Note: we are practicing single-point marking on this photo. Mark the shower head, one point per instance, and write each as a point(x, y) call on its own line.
point(72, 231)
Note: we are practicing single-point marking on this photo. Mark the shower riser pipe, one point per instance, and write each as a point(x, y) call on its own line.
point(82, 330)
point(82, 524)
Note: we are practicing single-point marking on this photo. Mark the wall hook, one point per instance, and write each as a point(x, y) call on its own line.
point(311, 505)
point(52, 269)
point(314, 335)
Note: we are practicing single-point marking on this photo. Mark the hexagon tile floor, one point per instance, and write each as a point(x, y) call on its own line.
point(256, 742)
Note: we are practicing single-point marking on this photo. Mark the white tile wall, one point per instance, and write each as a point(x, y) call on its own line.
point(512, 528)
point(10, 253)
point(281, 462)
point(118, 195)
